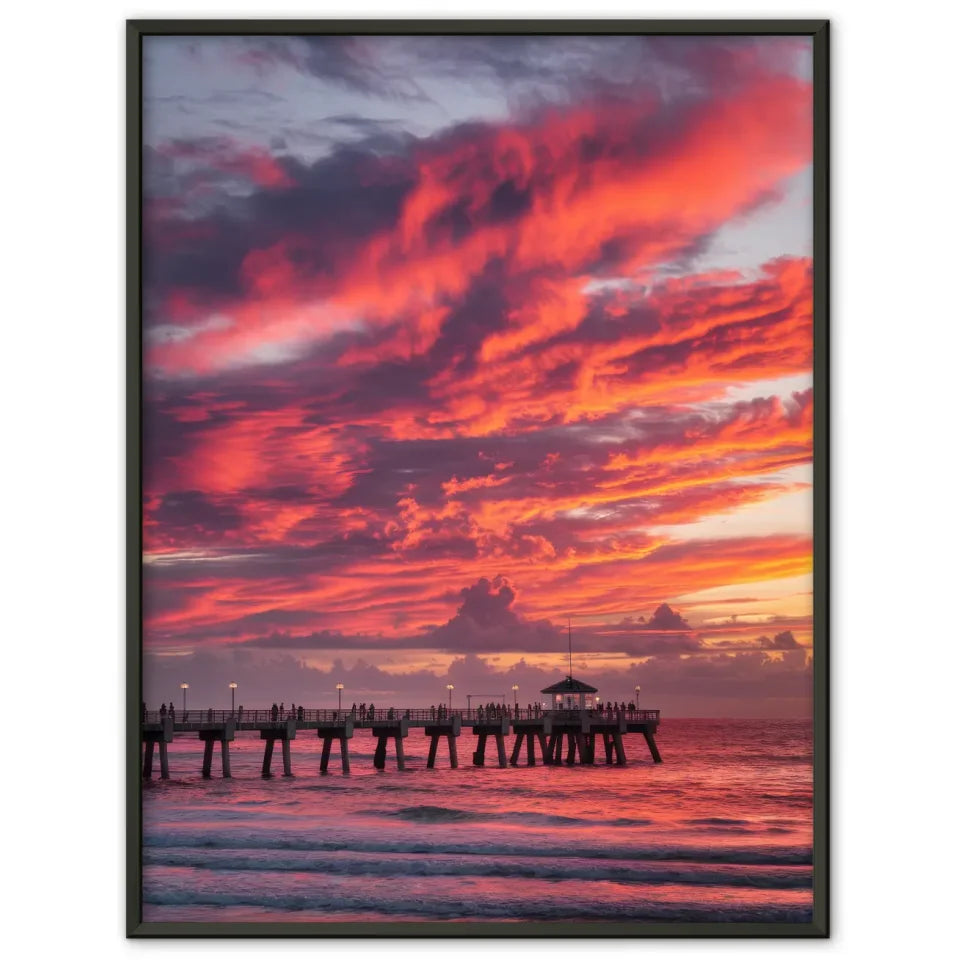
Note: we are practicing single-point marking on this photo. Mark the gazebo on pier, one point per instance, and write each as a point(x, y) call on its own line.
point(571, 694)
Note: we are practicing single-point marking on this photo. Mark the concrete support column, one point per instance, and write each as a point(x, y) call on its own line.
point(571, 749)
point(479, 754)
point(652, 744)
point(582, 747)
point(285, 746)
point(207, 757)
point(267, 758)
point(325, 754)
point(164, 765)
point(398, 743)
point(344, 755)
point(147, 759)
point(501, 750)
point(452, 744)
point(225, 757)
point(608, 747)
point(432, 754)
point(515, 755)
point(544, 750)
point(531, 756)
point(618, 747)
point(380, 754)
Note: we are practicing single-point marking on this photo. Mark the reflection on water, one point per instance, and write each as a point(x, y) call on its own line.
point(720, 831)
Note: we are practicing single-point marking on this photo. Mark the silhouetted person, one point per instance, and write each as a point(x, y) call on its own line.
point(171, 713)
point(353, 709)
point(209, 714)
point(274, 712)
point(281, 709)
point(300, 713)
point(163, 711)
point(240, 713)
point(371, 711)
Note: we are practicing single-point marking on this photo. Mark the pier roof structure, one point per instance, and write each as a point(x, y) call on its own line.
point(570, 685)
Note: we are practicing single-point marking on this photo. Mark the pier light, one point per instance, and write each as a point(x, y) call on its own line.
point(184, 687)
point(233, 696)
point(450, 695)
point(515, 688)
point(636, 693)
point(339, 696)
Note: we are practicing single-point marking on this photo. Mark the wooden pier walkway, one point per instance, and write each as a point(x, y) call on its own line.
point(544, 732)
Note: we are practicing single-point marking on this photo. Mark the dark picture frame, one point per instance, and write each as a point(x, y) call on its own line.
point(818, 30)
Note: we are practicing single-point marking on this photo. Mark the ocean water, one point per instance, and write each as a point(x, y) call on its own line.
point(720, 831)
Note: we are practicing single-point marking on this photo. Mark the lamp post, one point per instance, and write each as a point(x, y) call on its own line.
point(516, 706)
point(597, 700)
point(450, 697)
point(636, 694)
point(233, 697)
point(184, 687)
point(339, 698)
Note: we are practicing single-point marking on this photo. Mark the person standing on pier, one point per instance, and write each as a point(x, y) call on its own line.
point(163, 711)
point(171, 712)
point(240, 713)
point(274, 712)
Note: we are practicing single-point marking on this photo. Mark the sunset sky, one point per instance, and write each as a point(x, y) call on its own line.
point(448, 340)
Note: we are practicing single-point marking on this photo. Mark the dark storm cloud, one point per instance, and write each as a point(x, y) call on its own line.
point(191, 513)
point(665, 618)
point(332, 205)
point(781, 641)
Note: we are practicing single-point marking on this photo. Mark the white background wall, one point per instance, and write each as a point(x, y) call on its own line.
point(895, 435)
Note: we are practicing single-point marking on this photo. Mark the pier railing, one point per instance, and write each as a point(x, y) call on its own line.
point(416, 715)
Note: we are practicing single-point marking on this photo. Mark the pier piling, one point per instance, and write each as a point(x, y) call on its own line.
point(448, 729)
point(212, 732)
point(496, 727)
point(395, 730)
point(158, 732)
point(341, 731)
point(284, 731)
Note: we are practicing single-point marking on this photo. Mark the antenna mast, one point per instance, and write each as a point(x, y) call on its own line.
point(569, 649)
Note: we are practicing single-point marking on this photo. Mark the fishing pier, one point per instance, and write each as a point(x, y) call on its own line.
point(544, 734)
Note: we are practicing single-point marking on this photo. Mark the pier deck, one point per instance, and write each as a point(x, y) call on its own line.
point(543, 731)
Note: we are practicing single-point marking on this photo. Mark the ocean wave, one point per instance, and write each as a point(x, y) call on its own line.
point(718, 822)
point(773, 856)
point(792, 878)
point(426, 813)
point(526, 909)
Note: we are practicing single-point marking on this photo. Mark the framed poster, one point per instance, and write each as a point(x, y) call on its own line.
point(478, 412)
